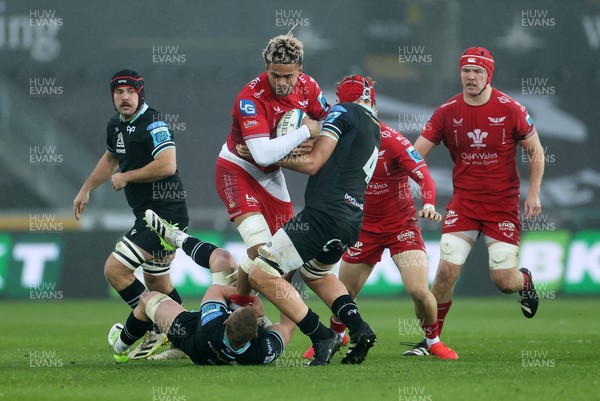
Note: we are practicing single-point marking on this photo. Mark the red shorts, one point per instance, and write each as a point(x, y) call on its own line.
point(241, 194)
point(370, 245)
point(499, 221)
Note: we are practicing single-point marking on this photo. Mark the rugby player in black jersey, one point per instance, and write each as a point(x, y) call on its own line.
point(140, 159)
point(340, 165)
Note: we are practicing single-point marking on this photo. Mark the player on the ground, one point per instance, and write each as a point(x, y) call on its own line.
point(340, 165)
point(254, 191)
point(481, 127)
point(140, 158)
point(391, 222)
point(214, 335)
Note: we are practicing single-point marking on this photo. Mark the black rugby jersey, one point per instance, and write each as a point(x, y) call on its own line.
point(338, 188)
point(135, 144)
point(209, 346)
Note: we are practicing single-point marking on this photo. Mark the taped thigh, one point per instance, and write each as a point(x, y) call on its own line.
point(254, 230)
point(153, 302)
point(503, 255)
point(454, 249)
point(128, 253)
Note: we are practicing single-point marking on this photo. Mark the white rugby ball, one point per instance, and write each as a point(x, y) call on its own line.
point(291, 121)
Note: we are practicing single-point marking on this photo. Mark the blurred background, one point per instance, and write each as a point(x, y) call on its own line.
point(57, 58)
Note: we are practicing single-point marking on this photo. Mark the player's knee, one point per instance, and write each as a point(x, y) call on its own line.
point(418, 294)
point(220, 259)
point(267, 262)
point(454, 249)
point(503, 255)
point(146, 295)
point(161, 284)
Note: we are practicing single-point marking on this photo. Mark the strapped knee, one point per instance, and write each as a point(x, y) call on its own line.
point(503, 255)
point(153, 302)
point(128, 253)
point(454, 249)
point(267, 262)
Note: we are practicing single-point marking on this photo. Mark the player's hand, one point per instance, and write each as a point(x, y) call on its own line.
point(533, 205)
point(118, 181)
point(429, 213)
point(304, 148)
point(313, 126)
point(244, 152)
point(81, 200)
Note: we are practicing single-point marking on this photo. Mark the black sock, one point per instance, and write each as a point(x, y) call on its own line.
point(198, 250)
point(134, 329)
point(345, 309)
point(312, 327)
point(131, 294)
point(174, 295)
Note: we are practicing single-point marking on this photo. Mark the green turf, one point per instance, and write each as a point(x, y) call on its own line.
point(58, 351)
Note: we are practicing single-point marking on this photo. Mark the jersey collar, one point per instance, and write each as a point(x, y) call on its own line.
point(142, 110)
point(236, 351)
point(367, 107)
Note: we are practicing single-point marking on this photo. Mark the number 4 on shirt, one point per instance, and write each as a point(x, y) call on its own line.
point(369, 167)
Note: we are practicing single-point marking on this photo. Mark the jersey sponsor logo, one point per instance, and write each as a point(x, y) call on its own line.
point(419, 174)
point(257, 94)
point(349, 199)
point(414, 155)
point(457, 122)
point(249, 124)
point(254, 82)
point(322, 101)
point(335, 112)
point(210, 317)
point(381, 153)
point(303, 103)
point(130, 129)
point(247, 108)
point(451, 218)
point(120, 144)
point(477, 136)
point(503, 99)
point(497, 121)
point(251, 199)
point(529, 120)
point(506, 226)
point(358, 245)
point(406, 235)
point(160, 135)
point(386, 134)
point(448, 104)
point(156, 124)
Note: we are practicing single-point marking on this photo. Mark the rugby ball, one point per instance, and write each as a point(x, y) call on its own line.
point(291, 121)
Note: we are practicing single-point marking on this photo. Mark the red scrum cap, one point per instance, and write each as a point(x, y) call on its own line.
point(479, 57)
point(355, 87)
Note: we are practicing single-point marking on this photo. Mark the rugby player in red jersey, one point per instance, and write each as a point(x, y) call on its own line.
point(391, 222)
point(481, 127)
point(254, 189)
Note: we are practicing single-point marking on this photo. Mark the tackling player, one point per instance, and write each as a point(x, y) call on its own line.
point(391, 222)
point(481, 127)
point(254, 191)
point(214, 335)
point(340, 166)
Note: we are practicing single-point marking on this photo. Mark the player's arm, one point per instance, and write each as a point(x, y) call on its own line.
point(107, 165)
point(285, 328)
point(266, 151)
point(535, 153)
point(164, 165)
point(424, 146)
point(312, 162)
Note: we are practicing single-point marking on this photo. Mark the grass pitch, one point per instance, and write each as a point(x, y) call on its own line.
point(58, 351)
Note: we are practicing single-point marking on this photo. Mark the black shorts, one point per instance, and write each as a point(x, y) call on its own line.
point(316, 235)
point(184, 327)
point(146, 239)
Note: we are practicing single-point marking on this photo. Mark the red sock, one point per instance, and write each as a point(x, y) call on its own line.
point(337, 326)
point(442, 311)
point(431, 330)
point(526, 281)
